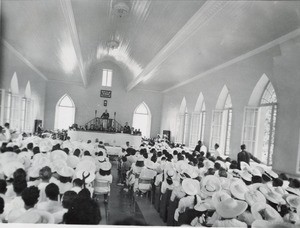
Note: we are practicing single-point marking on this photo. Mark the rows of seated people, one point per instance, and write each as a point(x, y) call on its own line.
point(197, 189)
point(53, 181)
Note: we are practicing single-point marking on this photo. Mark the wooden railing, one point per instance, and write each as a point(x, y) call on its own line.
point(108, 125)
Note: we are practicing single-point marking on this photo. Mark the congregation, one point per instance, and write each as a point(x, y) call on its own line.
point(45, 180)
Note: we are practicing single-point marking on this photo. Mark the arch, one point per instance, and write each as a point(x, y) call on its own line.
point(258, 91)
point(222, 98)
point(28, 90)
point(183, 108)
point(14, 85)
point(64, 112)
point(142, 119)
point(199, 103)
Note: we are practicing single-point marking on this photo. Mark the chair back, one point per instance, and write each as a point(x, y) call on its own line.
point(98, 185)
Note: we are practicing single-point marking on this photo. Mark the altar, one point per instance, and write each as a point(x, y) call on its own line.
point(113, 139)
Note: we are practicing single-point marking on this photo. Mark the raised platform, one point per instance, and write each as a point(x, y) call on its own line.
point(113, 139)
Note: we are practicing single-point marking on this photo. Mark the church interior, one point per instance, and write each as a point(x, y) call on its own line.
point(96, 94)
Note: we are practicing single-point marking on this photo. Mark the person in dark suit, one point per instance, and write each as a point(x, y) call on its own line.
point(105, 115)
point(245, 156)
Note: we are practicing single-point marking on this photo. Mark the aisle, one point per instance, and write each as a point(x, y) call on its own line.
point(121, 206)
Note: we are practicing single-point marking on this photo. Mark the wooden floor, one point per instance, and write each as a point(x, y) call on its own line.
point(122, 205)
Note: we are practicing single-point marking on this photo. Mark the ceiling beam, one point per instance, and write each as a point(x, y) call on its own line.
point(23, 59)
point(249, 54)
point(200, 18)
point(68, 12)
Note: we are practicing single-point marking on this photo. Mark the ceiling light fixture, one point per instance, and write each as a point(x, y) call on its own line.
point(112, 44)
point(121, 9)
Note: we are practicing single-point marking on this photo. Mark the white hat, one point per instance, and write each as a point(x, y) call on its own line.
point(219, 197)
point(58, 155)
point(244, 166)
point(66, 172)
point(208, 164)
point(225, 183)
point(35, 216)
point(210, 184)
point(10, 167)
point(230, 208)
point(263, 211)
point(58, 165)
point(34, 172)
point(253, 196)
point(293, 200)
point(86, 165)
point(295, 191)
point(238, 189)
point(246, 175)
point(190, 186)
point(105, 166)
point(271, 195)
point(271, 224)
point(73, 161)
point(149, 164)
point(45, 145)
point(24, 160)
point(255, 172)
point(101, 159)
point(90, 176)
point(189, 170)
point(204, 205)
point(41, 161)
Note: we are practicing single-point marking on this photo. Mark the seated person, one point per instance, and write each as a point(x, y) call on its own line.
point(83, 211)
point(104, 175)
point(52, 204)
point(77, 185)
point(67, 199)
point(126, 129)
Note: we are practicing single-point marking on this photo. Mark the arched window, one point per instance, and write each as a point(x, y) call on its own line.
point(197, 122)
point(64, 113)
point(27, 110)
point(221, 122)
point(268, 114)
point(182, 124)
point(13, 104)
point(142, 119)
point(260, 120)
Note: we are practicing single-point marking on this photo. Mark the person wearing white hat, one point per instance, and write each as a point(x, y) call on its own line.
point(229, 209)
point(65, 179)
point(191, 187)
point(103, 176)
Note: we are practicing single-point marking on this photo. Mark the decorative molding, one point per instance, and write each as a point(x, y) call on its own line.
point(148, 90)
point(23, 59)
point(200, 18)
point(67, 82)
point(67, 10)
point(256, 51)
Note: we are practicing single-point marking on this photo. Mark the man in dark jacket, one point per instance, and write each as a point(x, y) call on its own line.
point(245, 156)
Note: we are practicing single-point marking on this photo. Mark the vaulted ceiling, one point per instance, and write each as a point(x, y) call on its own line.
point(160, 44)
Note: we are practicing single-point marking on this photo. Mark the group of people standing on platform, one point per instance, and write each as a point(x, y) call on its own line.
point(195, 188)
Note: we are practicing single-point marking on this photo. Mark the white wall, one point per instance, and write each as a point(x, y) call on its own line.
point(88, 99)
point(281, 65)
point(10, 64)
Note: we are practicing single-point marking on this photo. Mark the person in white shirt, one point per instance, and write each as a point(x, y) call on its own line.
point(77, 185)
point(104, 175)
point(7, 132)
point(217, 151)
point(52, 205)
point(45, 176)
